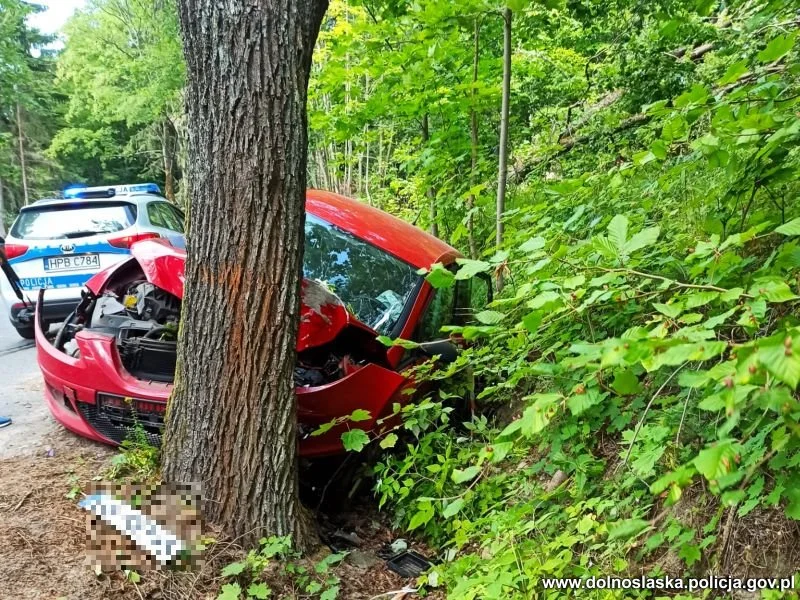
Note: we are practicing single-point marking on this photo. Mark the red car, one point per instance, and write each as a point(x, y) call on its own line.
point(112, 362)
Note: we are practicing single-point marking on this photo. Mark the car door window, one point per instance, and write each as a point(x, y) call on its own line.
point(170, 219)
point(438, 313)
point(180, 218)
point(472, 296)
point(155, 216)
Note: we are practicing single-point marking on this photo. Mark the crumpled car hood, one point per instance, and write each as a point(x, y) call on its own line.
point(164, 265)
point(323, 315)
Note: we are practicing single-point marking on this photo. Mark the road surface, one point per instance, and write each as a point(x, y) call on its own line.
point(21, 397)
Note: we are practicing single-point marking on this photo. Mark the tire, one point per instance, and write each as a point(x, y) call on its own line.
point(26, 333)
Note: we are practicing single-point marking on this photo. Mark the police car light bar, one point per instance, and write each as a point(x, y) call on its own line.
point(109, 191)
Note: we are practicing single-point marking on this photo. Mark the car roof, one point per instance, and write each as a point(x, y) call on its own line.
point(131, 198)
point(403, 240)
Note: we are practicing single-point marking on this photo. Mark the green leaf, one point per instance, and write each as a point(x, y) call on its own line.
point(571, 283)
point(781, 362)
point(230, 591)
point(360, 415)
point(790, 228)
point(440, 277)
point(536, 417)
point(626, 383)
point(355, 440)
point(734, 72)
point(628, 528)
point(452, 509)
point(717, 460)
point(490, 317)
point(233, 569)
point(532, 245)
point(644, 238)
point(793, 506)
point(700, 299)
point(470, 268)
point(618, 232)
point(777, 48)
point(332, 593)
point(675, 129)
point(532, 320)
point(259, 590)
point(468, 474)
point(673, 311)
point(772, 290)
point(580, 403)
point(389, 441)
point(420, 518)
point(690, 554)
point(546, 298)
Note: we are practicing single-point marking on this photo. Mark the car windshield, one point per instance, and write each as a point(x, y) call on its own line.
point(374, 285)
point(71, 221)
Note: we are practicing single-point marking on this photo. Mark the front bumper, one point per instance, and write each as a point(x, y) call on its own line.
point(73, 385)
point(92, 395)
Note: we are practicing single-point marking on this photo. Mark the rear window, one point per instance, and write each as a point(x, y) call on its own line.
point(72, 221)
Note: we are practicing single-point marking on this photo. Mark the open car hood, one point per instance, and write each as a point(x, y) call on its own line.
point(163, 264)
point(323, 315)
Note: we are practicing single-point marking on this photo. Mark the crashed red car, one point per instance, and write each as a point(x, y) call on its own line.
point(112, 362)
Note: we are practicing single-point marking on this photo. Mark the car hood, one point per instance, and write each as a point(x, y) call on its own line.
point(323, 315)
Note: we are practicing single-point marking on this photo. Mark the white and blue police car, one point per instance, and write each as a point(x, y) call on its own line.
point(60, 244)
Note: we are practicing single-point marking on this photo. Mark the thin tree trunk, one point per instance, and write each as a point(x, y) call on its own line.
point(2, 212)
point(231, 422)
point(168, 153)
point(21, 137)
point(473, 121)
point(426, 136)
point(503, 162)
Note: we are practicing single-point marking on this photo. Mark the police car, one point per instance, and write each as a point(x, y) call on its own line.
point(60, 244)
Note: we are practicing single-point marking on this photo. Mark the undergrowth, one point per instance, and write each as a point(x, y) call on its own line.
point(640, 366)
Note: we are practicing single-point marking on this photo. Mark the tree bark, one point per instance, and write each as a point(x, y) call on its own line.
point(426, 136)
point(231, 422)
point(503, 162)
point(23, 169)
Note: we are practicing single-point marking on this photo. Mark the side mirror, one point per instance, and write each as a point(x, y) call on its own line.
point(446, 350)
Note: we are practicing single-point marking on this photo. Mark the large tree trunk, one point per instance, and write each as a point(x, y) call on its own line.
point(231, 422)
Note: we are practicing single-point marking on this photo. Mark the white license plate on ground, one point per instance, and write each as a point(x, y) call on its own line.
point(79, 262)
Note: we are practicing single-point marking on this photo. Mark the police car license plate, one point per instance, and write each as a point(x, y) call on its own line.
point(79, 262)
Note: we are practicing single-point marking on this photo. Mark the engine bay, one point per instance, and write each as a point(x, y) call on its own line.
point(144, 321)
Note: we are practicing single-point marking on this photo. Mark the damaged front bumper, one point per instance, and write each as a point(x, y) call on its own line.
point(94, 396)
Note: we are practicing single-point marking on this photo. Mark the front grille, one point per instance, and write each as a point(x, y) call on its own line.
point(115, 417)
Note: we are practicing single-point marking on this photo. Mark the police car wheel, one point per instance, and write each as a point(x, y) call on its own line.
point(26, 332)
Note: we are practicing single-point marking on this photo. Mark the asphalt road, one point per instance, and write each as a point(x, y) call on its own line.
point(21, 396)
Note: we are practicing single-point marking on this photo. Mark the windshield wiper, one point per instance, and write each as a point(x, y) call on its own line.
point(77, 234)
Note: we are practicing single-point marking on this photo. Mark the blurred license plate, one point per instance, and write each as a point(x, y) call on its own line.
point(79, 262)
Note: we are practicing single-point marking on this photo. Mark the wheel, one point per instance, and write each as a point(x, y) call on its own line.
point(26, 332)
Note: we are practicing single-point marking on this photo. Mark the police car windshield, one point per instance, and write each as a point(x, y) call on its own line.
point(73, 220)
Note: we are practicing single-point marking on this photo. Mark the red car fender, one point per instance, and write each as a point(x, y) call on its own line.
point(371, 388)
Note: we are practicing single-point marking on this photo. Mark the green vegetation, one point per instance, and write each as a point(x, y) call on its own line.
point(638, 371)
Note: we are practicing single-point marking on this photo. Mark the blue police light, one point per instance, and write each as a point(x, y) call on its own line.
point(109, 191)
